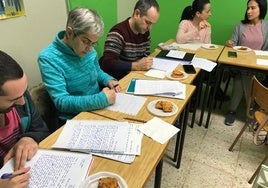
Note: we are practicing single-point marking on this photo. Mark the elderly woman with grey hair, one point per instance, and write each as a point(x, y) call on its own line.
point(70, 69)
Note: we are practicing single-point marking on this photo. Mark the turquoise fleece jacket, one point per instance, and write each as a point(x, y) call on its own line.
point(74, 83)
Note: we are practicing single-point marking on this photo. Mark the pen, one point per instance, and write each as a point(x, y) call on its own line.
point(115, 85)
point(10, 175)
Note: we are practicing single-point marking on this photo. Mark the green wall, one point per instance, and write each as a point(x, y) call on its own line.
point(225, 14)
point(106, 9)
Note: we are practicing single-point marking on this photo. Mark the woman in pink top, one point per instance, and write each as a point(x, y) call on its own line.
point(193, 25)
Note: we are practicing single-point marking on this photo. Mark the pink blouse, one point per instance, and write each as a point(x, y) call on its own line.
point(252, 37)
point(187, 32)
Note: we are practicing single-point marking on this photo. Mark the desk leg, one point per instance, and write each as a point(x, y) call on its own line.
point(177, 146)
point(158, 174)
point(198, 94)
point(217, 85)
point(182, 135)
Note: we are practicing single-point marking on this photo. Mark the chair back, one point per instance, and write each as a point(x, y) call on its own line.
point(46, 107)
point(258, 102)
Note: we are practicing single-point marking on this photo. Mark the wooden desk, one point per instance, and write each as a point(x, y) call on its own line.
point(211, 55)
point(244, 60)
point(135, 174)
point(144, 115)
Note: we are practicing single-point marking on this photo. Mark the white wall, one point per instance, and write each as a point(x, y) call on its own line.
point(24, 37)
point(125, 9)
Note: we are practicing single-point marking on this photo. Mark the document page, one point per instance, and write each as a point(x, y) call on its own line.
point(128, 104)
point(97, 136)
point(52, 168)
point(157, 87)
point(165, 64)
point(176, 54)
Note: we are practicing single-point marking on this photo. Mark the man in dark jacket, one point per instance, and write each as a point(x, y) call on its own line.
point(21, 127)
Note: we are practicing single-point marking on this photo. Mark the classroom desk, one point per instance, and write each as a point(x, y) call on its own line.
point(144, 115)
point(244, 60)
point(211, 55)
point(135, 174)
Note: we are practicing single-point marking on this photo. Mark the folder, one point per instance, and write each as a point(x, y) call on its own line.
point(164, 54)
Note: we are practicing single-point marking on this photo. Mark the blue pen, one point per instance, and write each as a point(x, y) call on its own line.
point(10, 175)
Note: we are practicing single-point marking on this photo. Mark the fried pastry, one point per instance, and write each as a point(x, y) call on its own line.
point(177, 73)
point(242, 48)
point(108, 182)
point(164, 105)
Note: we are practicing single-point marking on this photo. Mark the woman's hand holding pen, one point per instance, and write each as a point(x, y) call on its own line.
point(17, 179)
point(113, 84)
point(142, 64)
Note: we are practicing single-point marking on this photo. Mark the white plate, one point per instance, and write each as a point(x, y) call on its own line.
point(238, 48)
point(93, 180)
point(210, 46)
point(169, 73)
point(158, 112)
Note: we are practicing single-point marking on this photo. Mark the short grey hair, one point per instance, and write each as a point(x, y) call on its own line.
point(84, 21)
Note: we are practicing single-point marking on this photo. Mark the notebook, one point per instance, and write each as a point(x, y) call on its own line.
point(175, 55)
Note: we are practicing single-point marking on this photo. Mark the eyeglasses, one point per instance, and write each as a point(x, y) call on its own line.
point(87, 42)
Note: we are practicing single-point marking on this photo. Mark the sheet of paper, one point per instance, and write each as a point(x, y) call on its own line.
point(128, 104)
point(262, 62)
point(176, 54)
point(158, 130)
point(165, 64)
point(167, 88)
point(155, 73)
point(52, 168)
point(261, 52)
point(127, 158)
point(204, 64)
point(97, 136)
point(191, 46)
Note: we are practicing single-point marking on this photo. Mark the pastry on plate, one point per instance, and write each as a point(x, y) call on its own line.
point(164, 105)
point(108, 182)
point(176, 73)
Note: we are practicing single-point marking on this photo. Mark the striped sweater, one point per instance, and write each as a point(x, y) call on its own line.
point(122, 47)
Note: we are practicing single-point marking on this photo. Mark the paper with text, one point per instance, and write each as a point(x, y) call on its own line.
point(128, 104)
point(261, 52)
point(176, 54)
point(158, 130)
point(166, 88)
point(99, 136)
point(52, 168)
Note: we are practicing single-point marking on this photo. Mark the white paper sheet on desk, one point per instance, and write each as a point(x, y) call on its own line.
point(165, 88)
point(191, 46)
point(158, 130)
point(127, 104)
point(262, 62)
point(54, 168)
point(165, 64)
point(261, 52)
point(203, 64)
point(155, 73)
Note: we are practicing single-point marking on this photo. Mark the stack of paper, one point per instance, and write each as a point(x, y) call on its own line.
point(52, 168)
point(165, 88)
point(117, 140)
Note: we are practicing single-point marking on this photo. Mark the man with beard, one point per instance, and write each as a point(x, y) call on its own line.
point(128, 43)
point(21, 127)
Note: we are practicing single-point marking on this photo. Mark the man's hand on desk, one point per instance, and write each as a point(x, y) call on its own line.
point(23, 151)
point(110, 94)
point(142, 64)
